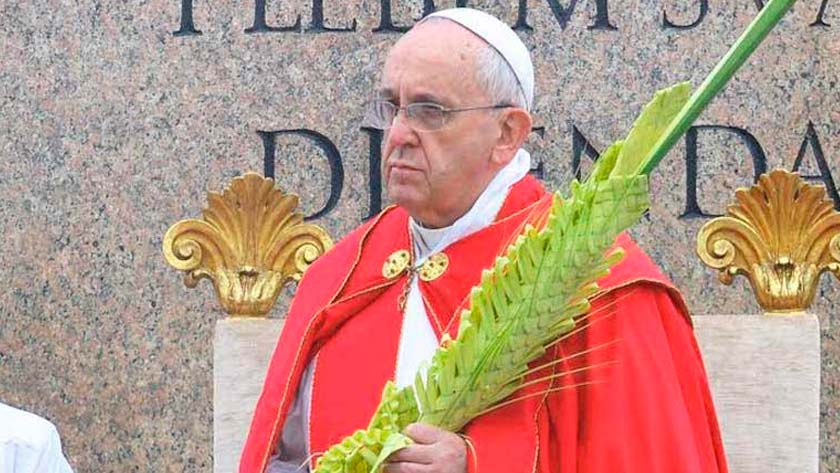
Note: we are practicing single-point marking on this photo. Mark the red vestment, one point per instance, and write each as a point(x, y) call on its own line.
point(643, 406)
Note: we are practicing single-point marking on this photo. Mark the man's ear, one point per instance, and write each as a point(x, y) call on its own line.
point(515, 126)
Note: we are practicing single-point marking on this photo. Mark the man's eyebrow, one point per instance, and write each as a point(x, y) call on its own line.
point(426, 97)
point(389, 94)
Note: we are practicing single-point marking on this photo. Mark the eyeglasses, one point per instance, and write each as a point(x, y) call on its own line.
point(421, 116)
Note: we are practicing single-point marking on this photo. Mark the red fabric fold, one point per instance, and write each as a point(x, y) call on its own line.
point(645, 407)
point(648, 408)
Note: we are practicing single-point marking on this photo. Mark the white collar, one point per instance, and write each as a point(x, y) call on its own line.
point(481, 214)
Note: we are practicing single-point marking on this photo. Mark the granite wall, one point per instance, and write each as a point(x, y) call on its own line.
point(116, 116)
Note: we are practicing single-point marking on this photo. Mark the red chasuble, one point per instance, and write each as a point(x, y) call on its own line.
point(630, 394)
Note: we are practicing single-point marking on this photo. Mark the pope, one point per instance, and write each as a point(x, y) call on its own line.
point(455, 100)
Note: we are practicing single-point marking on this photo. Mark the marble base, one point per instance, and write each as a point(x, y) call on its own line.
point(242, 349)
point(764, 372)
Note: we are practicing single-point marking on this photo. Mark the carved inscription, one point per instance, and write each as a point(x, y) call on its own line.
point(562, 12)
point(330, 153)
point(811, 151)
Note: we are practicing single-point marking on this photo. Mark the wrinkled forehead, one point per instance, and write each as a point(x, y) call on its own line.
point(435, 60)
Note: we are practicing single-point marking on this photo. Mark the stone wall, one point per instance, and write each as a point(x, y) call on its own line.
point(116, 117)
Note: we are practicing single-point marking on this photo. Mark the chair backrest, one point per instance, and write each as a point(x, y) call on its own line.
point(248, 274)
point(781, 234)
point(764, 372)
point(242, 349)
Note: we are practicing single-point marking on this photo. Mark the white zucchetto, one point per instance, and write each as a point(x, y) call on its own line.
point(502, 38)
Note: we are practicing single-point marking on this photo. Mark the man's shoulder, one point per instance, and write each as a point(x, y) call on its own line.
point(635, 266)
point(30, 430)
point(330, 271)
point(639, 272)
point(347, 248)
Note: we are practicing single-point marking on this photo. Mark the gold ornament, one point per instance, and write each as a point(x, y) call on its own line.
point(396, 264)
point(250, 243)
point(434, 267)
point(782, 234)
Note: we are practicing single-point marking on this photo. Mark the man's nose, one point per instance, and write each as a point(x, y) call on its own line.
point(400, 134)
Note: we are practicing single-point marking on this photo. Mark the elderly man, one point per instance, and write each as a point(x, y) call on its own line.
point(455, 98)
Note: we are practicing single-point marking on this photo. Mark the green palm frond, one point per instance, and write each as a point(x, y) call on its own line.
point(652, 123)
point(359, 453)
point(529, 298)
point(534, 293)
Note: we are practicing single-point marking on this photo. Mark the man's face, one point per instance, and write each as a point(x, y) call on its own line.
point(437, 175)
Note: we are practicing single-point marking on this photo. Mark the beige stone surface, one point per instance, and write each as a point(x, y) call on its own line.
point(242, 349)
point(764, 372)
point(112, 128)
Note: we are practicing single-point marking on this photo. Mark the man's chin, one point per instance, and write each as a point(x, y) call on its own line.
point(405, 197)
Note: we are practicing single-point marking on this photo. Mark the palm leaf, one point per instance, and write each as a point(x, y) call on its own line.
point(531, 297)
point(527, 300)
point(534, 293)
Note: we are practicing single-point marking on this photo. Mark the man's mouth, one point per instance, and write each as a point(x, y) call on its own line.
point(403, 167)
point(393, 163)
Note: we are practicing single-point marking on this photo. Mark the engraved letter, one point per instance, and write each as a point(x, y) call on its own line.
point(692, 208)
point(820, 21)
point(260, 26)
point(330, 151)
point(386, 23)
point(813, 140)
point(704, 9)
point(187, 26)
point(563, 14)
point(580, 146)
point(374, 170)
point(318, 25)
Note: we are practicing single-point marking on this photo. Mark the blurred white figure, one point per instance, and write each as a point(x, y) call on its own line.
point(29, 444)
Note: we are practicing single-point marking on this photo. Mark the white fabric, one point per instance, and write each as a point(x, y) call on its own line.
point(29, 444)
point(502, 38)
point(295, 436)
point(485, 208)
point(418, 341)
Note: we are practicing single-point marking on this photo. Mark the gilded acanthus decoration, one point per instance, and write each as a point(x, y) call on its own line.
point(250, 242)
point(782, 234)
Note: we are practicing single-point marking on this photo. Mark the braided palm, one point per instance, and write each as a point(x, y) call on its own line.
point(527, 300)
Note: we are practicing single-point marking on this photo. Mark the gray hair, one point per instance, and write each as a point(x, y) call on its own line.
point(496, 77)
